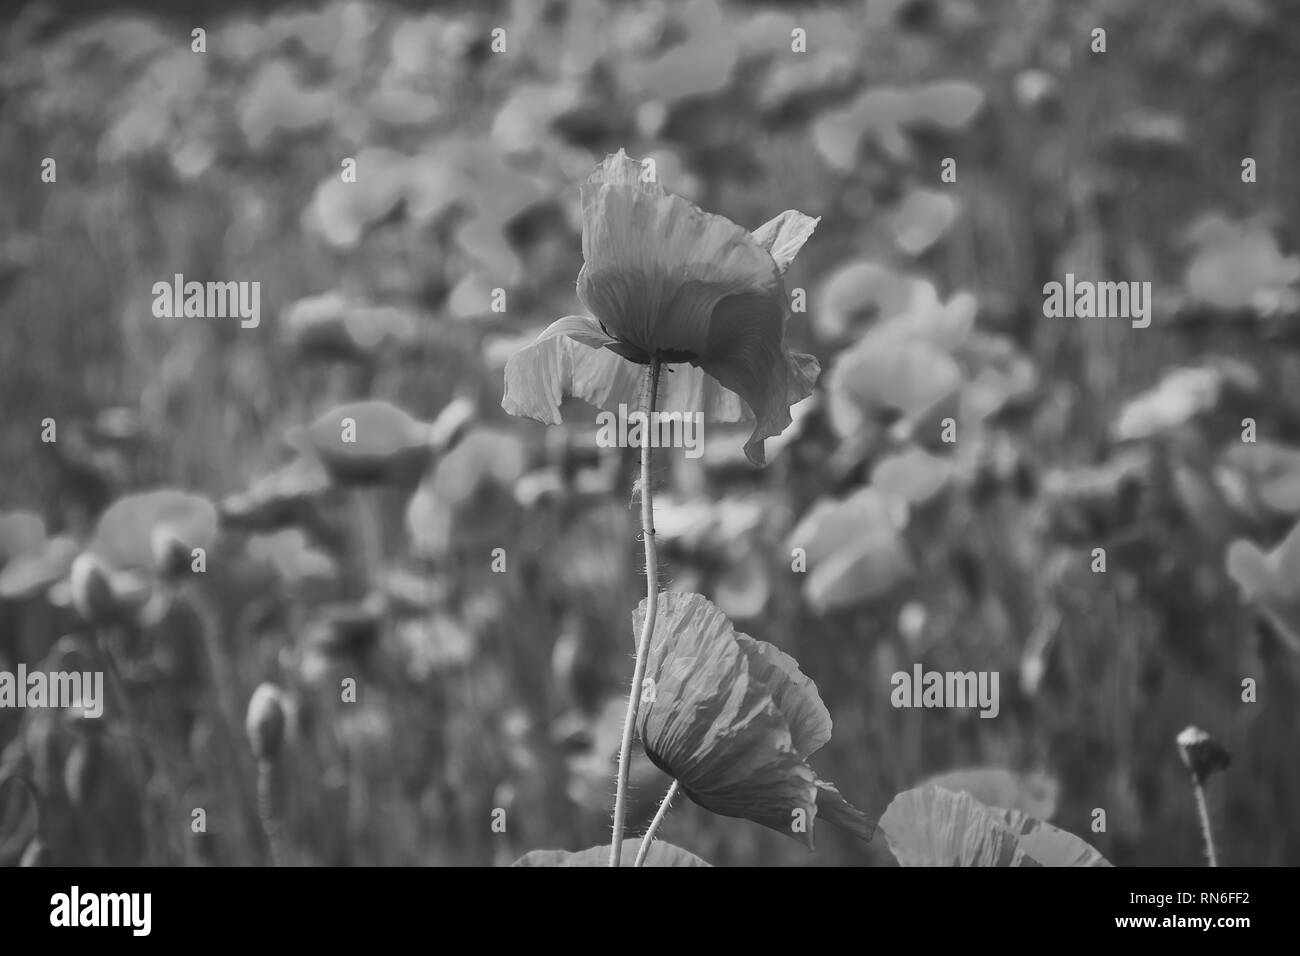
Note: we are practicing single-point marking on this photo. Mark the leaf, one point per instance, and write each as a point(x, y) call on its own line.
point(732, 731)
point(930, 826)
point(124, 537)
point(661, 854)
point(1048, 845)
point(1032, 793)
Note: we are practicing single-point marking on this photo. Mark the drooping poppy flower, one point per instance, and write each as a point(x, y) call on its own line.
point(664, 279)
point(734, 720)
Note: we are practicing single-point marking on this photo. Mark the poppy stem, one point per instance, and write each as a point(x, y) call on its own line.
point(649, 394)
point(1203, 811)
point(649, 837)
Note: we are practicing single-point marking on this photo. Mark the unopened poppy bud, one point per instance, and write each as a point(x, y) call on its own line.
point(1201, 753)
point(36, 854)
point(82, 772)
point(91, 590)
point(265, 721)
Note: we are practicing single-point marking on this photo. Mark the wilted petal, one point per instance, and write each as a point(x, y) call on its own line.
point(793, 692)
point(785, 235)
point(731, 719)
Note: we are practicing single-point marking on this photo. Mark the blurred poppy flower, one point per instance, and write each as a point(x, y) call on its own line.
point(660, 854)
point(663, 279)
point(734, 721)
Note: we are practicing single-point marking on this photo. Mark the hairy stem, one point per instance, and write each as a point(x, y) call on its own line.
point(269, 810)
point(649, 393)
point(1203, 811)
point(649, 837)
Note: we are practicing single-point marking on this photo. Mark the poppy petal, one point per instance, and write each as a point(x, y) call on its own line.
point(837, 811)
point(660, 854)
point(656, 266)
point(573, 357)
point(793, 692)
point(785, 235)
point(732, 719)
point(714, 728)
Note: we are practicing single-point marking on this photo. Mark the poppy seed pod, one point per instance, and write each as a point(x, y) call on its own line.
point(265, 721)
point(91, 589)
point(1202, 754)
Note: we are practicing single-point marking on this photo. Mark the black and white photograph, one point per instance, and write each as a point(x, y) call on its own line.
point(673, 433)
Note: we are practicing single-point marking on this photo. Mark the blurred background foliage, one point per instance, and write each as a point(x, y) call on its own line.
point(479, 690)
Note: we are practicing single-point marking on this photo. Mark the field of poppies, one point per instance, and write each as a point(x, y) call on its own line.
point(324, 334)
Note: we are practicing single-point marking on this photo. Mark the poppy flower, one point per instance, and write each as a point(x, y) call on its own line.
point(933, 826)
point(734, 720)
point(664, 280)
point(660, 854)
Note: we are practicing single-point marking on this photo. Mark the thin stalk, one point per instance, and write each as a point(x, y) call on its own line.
point(650, 392)
point(268, 809)
point(1203, 811)
point(649, 837)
